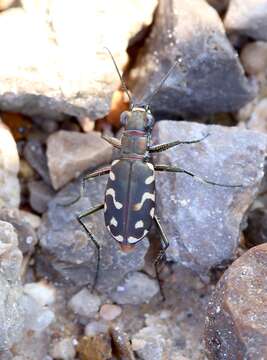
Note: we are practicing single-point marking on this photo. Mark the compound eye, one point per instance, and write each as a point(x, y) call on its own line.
point(150, 121)
point(124, 118)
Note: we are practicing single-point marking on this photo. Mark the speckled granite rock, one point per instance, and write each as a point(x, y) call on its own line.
point(11, 310)
point(62, 69)
point(9, 167)
point(68, 256)
point(247, 18)
point(236, 325)
point(203, 221)
point(208, 77)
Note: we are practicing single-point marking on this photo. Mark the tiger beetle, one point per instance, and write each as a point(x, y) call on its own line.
point(129, 205)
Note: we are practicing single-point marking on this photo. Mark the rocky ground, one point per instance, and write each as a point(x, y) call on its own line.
point(59, 92)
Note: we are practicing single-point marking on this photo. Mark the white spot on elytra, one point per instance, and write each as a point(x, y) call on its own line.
point(151, 167)
point(146, 196)
point(111, 192)
point(118, 238)
point(111, 175)
point(149, 180)
point(139, 224)
point(133, 240)
point(113, 222)
point(152, 212)
point(114, 162)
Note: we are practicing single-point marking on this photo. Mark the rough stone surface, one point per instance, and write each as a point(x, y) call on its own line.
point(69, 153)
point(42, 292)
point(208, 77)
point(34, 153)
point(247, 18)
point(11, 310)
point(27, 238)
point(258, 119)
point(67, 255)
point(63, 349)
point(203, 221)
point(84, 303)
point(57, 72)
point(9, 167)
point(136, 289)
point(254, 57)
point(40, 195)
point(237, 318)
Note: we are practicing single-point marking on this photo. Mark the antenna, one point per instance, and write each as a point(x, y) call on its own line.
point(162, 82)
point(120, 76)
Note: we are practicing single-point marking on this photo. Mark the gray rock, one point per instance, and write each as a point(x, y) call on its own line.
point(9, 167)
point(40, 195)
point(236, 320)
point(84, 303)
point(34, 153)
point(208, 77)
point(68, 256)
point(152, 342)
point(69, 153)
point(11, 310)
point(136, 289)
point(247, 18)
point(203, 221)
point(27, 238)
point(63, 349)
point(65, 69)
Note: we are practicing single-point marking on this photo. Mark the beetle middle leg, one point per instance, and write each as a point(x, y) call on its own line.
point(164, 246)
point(92, 175)
point(166, 146)
point(92, 238)
point(169, 168)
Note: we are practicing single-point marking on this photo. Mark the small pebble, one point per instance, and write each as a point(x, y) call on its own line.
point(254, 57)
point(96, 327)
point(42, 292)
point(109, 311)
point(63, 349)
point(84, 303)
point(32, 219)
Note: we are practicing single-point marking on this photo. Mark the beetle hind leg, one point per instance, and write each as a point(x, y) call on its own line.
point(92, 238)
point(161, 255)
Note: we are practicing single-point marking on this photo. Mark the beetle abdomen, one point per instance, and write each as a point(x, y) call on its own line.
point(130, 200)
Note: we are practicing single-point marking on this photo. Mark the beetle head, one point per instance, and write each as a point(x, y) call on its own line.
point(139, 118)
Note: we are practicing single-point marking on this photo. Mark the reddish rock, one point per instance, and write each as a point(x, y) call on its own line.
point(236, 324)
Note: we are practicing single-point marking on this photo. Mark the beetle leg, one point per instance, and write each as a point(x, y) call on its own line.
point(176, 169)
point(164, 246)
point(92, 175)
point(113, 141)
point(92, 238)
point(166, 146)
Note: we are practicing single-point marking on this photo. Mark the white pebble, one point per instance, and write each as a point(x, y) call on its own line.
point(84, 303)
point(95, 327)
point(63, 349)
point(43, 293)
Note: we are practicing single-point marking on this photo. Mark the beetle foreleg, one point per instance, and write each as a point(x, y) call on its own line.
point(113, 141)
point(92, 175)
point(164, 246)
point(176, 169)
point(92, 238)
point(163, 147)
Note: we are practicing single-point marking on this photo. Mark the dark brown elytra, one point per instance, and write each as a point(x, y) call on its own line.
point(129, 204)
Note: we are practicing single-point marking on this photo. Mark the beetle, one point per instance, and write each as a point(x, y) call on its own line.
point(129, 202)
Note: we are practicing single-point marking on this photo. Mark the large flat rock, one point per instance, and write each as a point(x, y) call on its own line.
point(53, 62)
point(203, 221)
point(208, 77)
